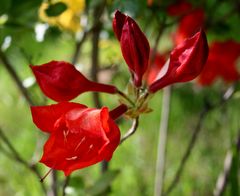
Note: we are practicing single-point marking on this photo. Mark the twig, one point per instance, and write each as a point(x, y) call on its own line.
point(18, 158)
point(79, 44)
point(54, 183)
point(15, 77)
point(131, 131)
point(160, 163)
point(223, 177)
point(226, 96)
point(97, 26)
point(65, 184)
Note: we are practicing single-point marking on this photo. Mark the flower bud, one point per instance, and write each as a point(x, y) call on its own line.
point(134, 45)
point(186, 62)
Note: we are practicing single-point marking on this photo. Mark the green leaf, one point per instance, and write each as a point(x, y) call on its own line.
point(4, 6)
point(76, 182)
point(56, 9)
point(103, 183)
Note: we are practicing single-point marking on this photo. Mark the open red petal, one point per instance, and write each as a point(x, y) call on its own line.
point(61, 81)
point(45, 117)
point(89, 137)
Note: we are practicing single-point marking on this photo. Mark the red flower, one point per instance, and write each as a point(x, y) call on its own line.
point(79, 136)
point(117, 23)
point(186, 62)
point(154, 69)
point(221, 63)
point(179, 8)
point(192, 19)
point(60, 81)
point(134, 45)
point(189, 25)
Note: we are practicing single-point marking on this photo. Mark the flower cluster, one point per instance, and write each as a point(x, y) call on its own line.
point(218, 65)
point(80, 136)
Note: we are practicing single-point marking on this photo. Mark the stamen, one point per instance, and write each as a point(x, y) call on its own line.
point(90, 148)
point(71, 158)
point(49, 171)
point(82, 140)
point(65, 133)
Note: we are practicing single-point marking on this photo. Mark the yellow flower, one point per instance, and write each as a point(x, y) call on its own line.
point(69, 19)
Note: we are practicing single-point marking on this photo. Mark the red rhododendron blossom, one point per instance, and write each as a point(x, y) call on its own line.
point(61, 81)
point(179, 8)
point(155, 68)
point(134, 45)
point(221, 63)
point(189, 25)
point(186, 62)
point(79, 136)
point(192, 19)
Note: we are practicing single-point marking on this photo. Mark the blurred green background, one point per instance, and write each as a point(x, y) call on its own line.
point(26, 39)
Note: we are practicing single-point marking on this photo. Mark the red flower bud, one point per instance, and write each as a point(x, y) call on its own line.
point(118, 111)
point(186, 62)
point(61, 81)
point(79, 136)
point(117, 23)
point(134, 45)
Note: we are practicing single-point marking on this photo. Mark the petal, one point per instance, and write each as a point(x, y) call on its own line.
point(189, 25)
point(219, 65)
point(90, 138)
point(61, 81)
point(135, 49)
point(45, 117)
point(117, 23)
point(186, 62)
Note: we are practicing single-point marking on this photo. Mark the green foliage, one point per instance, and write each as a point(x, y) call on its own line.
point(5, 5)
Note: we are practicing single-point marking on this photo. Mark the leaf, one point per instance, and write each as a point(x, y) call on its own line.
point(56, 9)
point(77, 182)
point(103, 183)
point(4, 7)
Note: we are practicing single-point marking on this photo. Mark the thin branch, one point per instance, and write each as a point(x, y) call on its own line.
point(65, 184)
point(162, 140)
point(54, 183)
point(224, 176)
point(78, 46)
point(97, 26)
point(15, 77)
point(131, 131)
point(16, 156)
point(224, 98)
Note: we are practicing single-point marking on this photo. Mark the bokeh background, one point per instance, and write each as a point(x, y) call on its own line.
point(35, 32)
